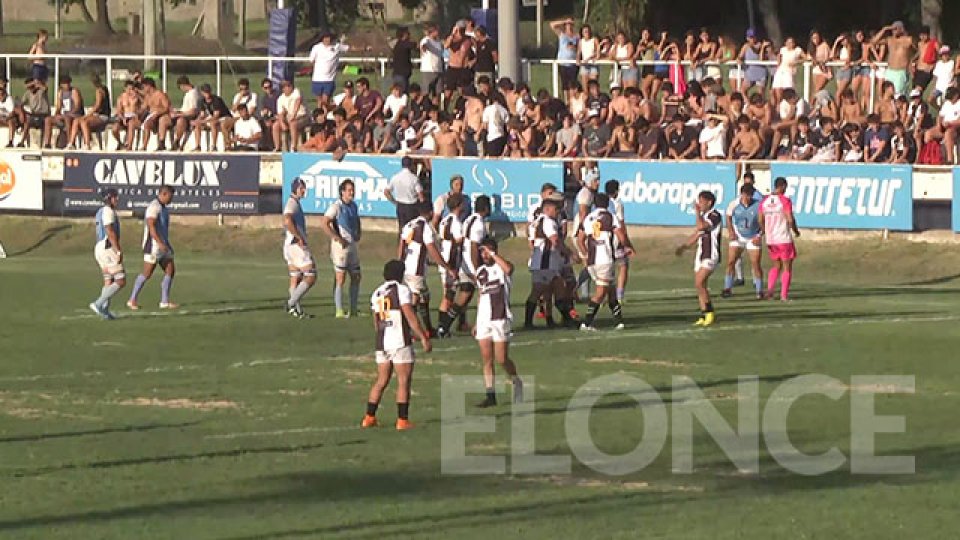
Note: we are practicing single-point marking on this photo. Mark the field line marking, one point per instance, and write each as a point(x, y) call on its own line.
point(240, 434)
point(177, 313)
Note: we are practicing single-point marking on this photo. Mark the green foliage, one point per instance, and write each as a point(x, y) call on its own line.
point(610, 16)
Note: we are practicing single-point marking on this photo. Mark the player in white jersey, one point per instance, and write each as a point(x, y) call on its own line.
point(418, 241)
point(493, 326)
point(341, 222)
point(546, 259)
point(395, 324)
point(440, 206)
point(450, 232)
point(585, 203)
point(597, 236)
point(776, 223)
point(108, 254)
point(707, 239)
point(156, 250)
point(474, 231)
point(612, 189)
point(300, 264)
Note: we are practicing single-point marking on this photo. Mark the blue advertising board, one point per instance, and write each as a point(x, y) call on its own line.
point(513, 185)
point(849, 196)
point(323, 175)
point(956, 199)
point(663, 193)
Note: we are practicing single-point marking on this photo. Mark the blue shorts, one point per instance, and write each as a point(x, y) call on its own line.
point(324, 88)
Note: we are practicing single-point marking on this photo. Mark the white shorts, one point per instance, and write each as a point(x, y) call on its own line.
point(601, 274)
point(297, 256)
point(744, 243)
point(497, 331)
point(544, 276)
point(345, 259)
point(396, 356)
point(155, 256)
point(464, 277)
point(417, 284)
point(706, 264)
point(108, 260)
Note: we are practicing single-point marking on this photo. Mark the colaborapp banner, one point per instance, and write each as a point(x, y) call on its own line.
point(203, 183)
point(513, 185)
point(849, 196)
point(664, 193)
point(21, 181)
point(323, 175)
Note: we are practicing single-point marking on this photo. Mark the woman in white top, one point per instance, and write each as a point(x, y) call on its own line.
point(843, 52)
point(588, 52)
point(820, 53)
point(790, 55)
point(578, 104)
point(622, 53)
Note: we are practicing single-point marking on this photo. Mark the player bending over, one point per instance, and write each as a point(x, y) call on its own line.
point(492, 329)
point(776, 223)
point(417, 241)
point(743, 224)
point(596, 239)
point(707, 240)
point(341, 223)
point(300, 263)
point(395, 324)
point(451, 239)
point(474, 231)
point(108, 254)
point(156, 250)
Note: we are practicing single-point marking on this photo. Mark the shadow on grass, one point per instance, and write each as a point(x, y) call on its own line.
point(935, 281)
point(48, 235)
point(105, 431)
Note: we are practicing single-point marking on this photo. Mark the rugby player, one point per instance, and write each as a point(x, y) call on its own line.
point(596, 238)
point(300, 264)
point(156, 250)
point(748, 180)
point(546, 258)
point(707, 239)
point(622, 262)
point(418, 240)
point(474, 231)
point(395, 324)
point(776, 223)
point(440, 207)
point(341, 223)
point(108, 254)
point(743, 224)
point(492, 330)
point(585, 202)
point(451, 239)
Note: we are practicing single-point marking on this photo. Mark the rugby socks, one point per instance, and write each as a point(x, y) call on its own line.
point(785, 279)
point(531, 308)
point(137, 287)
point(403, 411)
point(727, 282)
point(338, 296)
point(772, 279)
point(620, 294)
point(425, 315)
point(106, 293)
point(758, 285)
point(709, 308)
point(354, 296)
point(372, 408)
point(582, 281)
point(165, 286)
point(492, 395)
point(617, 310)
point(446, 319)
point(565, 306)
point(592, 309)
point(298, 294)
point(739, 268)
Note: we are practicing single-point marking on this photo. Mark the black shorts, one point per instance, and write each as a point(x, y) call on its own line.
point(568, 75)
point(458, 77)
point(922, 79)
point(495, 147)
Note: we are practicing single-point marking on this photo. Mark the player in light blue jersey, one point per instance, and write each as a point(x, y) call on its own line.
point(748, 180)
point(108, 254)
point(301, 267)
point(156, 250)
point(743, 223)
point(341, 223)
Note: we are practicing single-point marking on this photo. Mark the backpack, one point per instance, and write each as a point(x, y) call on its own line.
point(931, 154)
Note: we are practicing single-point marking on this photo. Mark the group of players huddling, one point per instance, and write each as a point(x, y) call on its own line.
point(452, 234)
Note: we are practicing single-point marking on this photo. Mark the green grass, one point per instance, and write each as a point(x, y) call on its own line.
point(263, 444)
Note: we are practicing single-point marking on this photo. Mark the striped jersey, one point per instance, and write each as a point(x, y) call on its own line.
point(158, 212)
point(451, 234)
point(386, 303)
point(295, 211)
point(599, 227)
point(494, 302)
point(616, 207)
point(106, 218)
point(708, 245)
point(417, 234)
point(474, 231)
point(544, 256)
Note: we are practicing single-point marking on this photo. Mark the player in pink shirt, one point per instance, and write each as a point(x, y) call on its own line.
point(776, 224)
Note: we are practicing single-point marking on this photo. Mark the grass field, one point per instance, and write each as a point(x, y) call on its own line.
point(230, 420)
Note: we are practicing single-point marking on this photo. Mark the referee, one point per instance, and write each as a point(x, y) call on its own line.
point(404, 190)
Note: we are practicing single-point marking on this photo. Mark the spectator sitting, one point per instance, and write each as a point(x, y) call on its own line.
point(876, 141)
point(10, 115)
point(247, 132)
point(183, 119)
point(681, 139)
point(212, 110)
point(291, 116)
point(323, 138)
point(68, 108)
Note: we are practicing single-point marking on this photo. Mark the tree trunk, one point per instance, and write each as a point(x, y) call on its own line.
point(930, 12)
point(1, 17)
point(102, 25)
point(771, 20)
point(87, 16)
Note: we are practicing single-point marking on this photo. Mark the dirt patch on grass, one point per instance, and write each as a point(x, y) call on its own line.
point(181, 403)
point(637, 362)
point(573, 481)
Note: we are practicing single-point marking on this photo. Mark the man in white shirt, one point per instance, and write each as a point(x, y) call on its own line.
point(948, 120)
point(292, 116)
point(395, 105)
point(431, 60)
point(8, 115)
point(243, 97)
point(404, 191)
point(246, 130)
point(495, 117)
point(713, 137)
point(189, 110)
point(325, 57)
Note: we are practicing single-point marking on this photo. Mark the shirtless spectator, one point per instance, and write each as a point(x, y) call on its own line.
point(292, 117)
point(448, 142)
point(460, 45)
point(899, 54)
point(129, 107)
point(346, 100)
point(927, 52)
point(156, 115)
point(182, 119)
point(850, 110)
point(747, 143)
point(213, 110)
point(472, 116)
point(886, 106)
point(67, 109)
point(624, 139)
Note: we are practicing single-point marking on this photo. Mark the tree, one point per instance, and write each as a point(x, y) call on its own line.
point(609, 16)
point(100, 24)
point(930, 12)
point(771, 19)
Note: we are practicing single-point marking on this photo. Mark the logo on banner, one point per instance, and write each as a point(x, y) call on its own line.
point(8, 180)
point(157, 172)
point(487, 176)
point(844, 196)
point(681, 194)
point(324, 177)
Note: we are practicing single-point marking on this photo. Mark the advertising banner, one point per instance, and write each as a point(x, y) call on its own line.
point(203, 183)
point(512, 185)
point(323, 175)
point(21, 181)
point(664, 192)
point(849, 196)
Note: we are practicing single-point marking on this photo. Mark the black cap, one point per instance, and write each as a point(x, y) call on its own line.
point(107, 193)
point(406, 162)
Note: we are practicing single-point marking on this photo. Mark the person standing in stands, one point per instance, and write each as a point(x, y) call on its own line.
point(402, 58)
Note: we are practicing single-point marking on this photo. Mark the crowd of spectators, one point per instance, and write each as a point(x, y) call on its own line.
point(883, 96)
